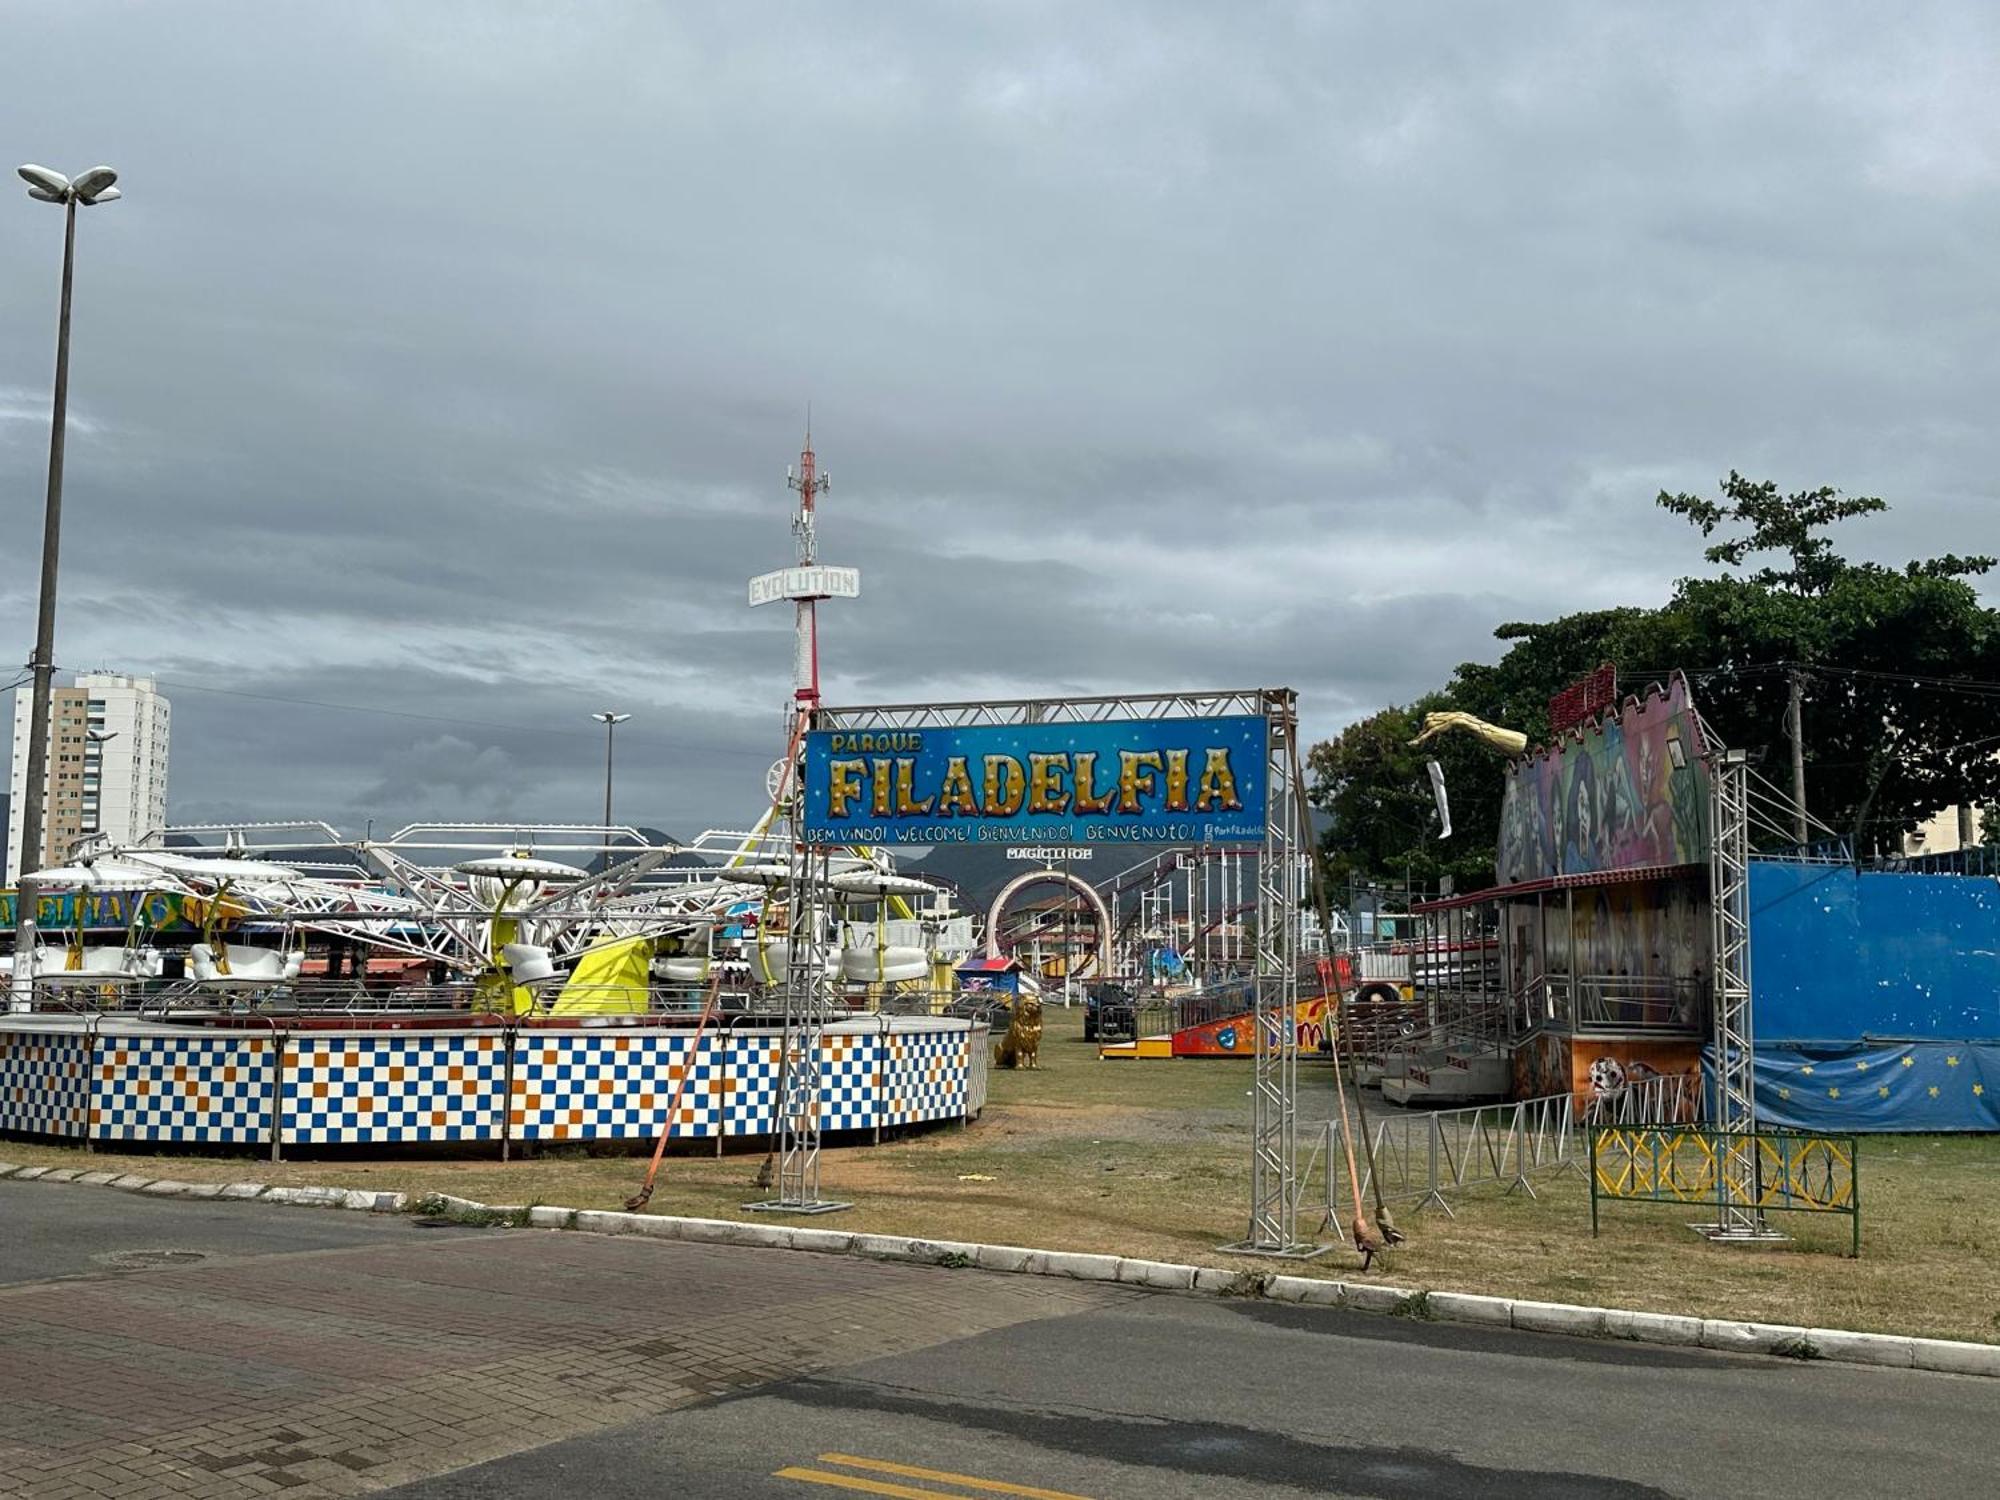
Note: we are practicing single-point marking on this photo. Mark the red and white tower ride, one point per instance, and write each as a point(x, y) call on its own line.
point(805, 583)
point(809, 1000)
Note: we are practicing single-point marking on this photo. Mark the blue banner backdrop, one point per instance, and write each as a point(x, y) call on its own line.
point(1138, 781)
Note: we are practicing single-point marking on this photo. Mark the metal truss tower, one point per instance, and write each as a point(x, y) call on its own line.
point(1275, 1082)
point(809, 987)
point(1738, 1191)
point(809, 1006)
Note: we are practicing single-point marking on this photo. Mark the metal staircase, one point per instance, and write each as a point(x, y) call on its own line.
point(1465, 1055)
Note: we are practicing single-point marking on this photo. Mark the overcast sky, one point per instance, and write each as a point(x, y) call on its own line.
point(446, 359)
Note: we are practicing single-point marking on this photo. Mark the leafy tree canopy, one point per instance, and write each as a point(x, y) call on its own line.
point(1897, 727)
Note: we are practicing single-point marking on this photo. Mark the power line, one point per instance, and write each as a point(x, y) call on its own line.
point(1975, 686)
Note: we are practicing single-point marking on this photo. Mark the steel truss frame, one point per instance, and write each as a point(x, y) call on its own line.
point(1274, 1186)
point(1274, 1145)
point(810, 1003)
point(393, 895)
point(1737, 1192)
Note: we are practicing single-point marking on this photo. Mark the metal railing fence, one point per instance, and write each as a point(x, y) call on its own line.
point(350, 997)
point(1625, 1003)
point(1422, 1157)
point(1656, 1099)
point(1793, 1171)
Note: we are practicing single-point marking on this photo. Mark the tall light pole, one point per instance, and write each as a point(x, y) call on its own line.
point(91, 188)
point(610, 721)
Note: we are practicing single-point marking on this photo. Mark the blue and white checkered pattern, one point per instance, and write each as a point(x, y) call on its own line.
point(393, 1088)
point(750, 1086)
point(849, 1067)
point(171, 1088)
point(924, 1075)
point(388, 1088)
point(44, 1082)
point(591, 1086)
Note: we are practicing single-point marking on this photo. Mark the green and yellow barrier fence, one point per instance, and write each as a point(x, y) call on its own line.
point(1795, 1172)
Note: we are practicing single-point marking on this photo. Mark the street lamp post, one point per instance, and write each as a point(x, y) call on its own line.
point(90, 188)
point(610, 721)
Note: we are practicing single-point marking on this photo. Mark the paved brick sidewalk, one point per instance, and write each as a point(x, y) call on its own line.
point(340, 1371)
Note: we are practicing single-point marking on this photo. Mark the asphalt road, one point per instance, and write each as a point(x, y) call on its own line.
point(225, 1349)
point(1167, 1397)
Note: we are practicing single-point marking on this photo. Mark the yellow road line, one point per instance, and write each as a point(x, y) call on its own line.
point(909, 1471)
point(870, 1486)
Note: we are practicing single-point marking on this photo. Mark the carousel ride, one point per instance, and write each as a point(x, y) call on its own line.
point(461, 983)
point(469, 918)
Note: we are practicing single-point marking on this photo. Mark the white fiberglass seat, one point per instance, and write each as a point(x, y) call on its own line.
point(771, 963)
point(99, 964)
point(241, 966)
point(891, 964)
point(528, 963)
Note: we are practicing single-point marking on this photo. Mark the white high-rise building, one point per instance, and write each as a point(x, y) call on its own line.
point(107, 765)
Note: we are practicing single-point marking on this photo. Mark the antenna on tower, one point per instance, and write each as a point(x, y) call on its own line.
point(808, 581)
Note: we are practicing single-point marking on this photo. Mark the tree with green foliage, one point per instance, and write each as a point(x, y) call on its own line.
point(1897, 722)
point(1373, 783)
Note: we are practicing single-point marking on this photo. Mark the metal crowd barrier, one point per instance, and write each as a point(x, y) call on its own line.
point(1423, 1157)
point(1796, 1172)
point(1659, 1099)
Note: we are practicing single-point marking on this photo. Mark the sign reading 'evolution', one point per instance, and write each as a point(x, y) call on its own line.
point(1139, 781)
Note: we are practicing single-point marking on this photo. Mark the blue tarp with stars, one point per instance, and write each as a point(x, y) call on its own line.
point(1890, 1086)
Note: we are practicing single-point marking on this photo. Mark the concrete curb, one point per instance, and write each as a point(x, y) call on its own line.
point(1783, 1341)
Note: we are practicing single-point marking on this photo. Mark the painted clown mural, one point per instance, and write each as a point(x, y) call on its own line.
point(1626, 791)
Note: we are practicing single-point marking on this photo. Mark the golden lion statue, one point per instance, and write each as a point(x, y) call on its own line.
point(1021, 1047)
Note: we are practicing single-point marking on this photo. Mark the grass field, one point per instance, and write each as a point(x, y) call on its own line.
point(1150, 1159)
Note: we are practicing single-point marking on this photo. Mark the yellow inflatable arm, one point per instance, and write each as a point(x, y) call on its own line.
point(1507, 741)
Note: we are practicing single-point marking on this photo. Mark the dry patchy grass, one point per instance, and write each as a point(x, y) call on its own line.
point(1149, 1159)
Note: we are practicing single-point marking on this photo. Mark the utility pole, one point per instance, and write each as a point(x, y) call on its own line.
point(1795, 716)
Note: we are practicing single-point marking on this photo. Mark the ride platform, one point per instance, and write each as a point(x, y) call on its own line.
point(1145, 1048)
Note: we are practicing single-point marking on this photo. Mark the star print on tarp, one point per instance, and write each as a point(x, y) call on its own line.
point(1946, 1086)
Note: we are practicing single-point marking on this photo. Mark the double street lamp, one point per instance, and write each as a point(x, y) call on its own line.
point(87, 189)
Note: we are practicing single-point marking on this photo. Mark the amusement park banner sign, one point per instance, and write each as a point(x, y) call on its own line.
point(1139, 781)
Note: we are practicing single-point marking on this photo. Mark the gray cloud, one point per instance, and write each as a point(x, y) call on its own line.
point(444, 360)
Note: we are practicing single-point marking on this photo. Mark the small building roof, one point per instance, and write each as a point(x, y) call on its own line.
point(984, 965)
point(1579, 881)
